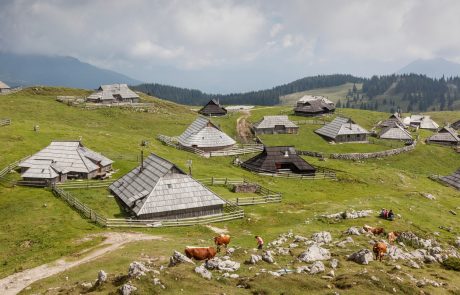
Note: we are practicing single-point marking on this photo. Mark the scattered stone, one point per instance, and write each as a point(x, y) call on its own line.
point(374, 278)
point(303, 268)
point(334, 263)
point(349, 214)
point(101, 277)
point(203, 272)
point(446, 228)
point(344, 243)
point(331, 273)
point(268, 257)
point(86, 285)
point(457, 242)
point(452, 212)
point(322, 237)
point(223, 264)
point(231, 276)
point(429, 196)
point(314, 253)
point(254, 259)
point(293, 245)
point(412, 239)
point(157, 282)
point(230, 251)
point(363, 256)
point(317, 267)
point(397, 267)
point(298, 239)
point(127, 289)
point(137, 269)
point(177, 258)
point(283, 251)
point(413, 264)
point(354, 231)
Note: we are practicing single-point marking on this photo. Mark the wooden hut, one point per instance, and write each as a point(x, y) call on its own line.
point(310, 105)
point(343, 130)
point(446, 136)
point(395, 132)
point(279, 159)
point(4, 88)
point(456, 125)
point(158, 189)
point(114, 93)
point(275, 125)
point(206, 136)
point(393, 119)
point(421, 121)
point(452, 180)
point(62, 160)
point(213, 108)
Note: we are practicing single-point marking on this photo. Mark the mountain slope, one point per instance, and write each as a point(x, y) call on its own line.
point(55, 71)
point(435, 68)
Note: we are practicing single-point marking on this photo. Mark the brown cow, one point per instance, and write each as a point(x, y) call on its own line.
point(200, 253)
point(392, 236)
point(380, 249)
point(374, 230)
point(222, 240)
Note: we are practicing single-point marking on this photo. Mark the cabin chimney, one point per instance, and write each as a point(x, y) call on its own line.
point(142, 160)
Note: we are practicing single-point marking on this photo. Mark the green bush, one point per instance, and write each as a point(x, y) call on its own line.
point(452, 263)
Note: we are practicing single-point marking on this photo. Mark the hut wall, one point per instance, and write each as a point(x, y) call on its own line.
point(445, 143)
point(290, 130)
point(213, 149)
point(186, 213)
point(351, 138)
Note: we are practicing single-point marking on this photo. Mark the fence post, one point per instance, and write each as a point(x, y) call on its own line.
point(212, 180)
point(237, 201)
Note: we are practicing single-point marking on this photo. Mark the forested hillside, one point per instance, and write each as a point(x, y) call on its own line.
point(260, 97)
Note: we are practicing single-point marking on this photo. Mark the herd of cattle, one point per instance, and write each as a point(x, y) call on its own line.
point(207, 253)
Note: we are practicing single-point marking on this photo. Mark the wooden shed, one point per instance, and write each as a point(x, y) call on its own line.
point(158, 189)
point(279, 159)
point(213, 108)
point(4, 88)
point(204, 135)
point(421, 121)
point(275, 125)
point(395, 132)
point(393, 119)
point(445, 136)
point(114, 93)
point(452, 180)
point(343, 130)
point(63, 160)
point(310, 105)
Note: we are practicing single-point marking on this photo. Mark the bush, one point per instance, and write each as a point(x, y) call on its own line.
point(452, 263)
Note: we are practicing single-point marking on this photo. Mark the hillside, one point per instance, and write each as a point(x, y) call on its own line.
point(434, 68)
point(24, 70)
point(334, 93)
point(37, 227)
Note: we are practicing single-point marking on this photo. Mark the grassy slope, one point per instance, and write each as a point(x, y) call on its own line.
point(333, 93)
point(393, 182)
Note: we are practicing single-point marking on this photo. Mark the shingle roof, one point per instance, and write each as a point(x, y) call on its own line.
point(314, 104)
point(394, 118)
point(446, 134)
point(270, 157)
point(43, 169)
point(3, 85)
point(456, 125)
point(395, 132)
point(341, 126)
point(272, 121)
point(109, 92)
point(453, 179)
point(161, 187)
point(307, 98)
point(69, 156)
point(202, 133)
point(213, 107)
point(425, 122)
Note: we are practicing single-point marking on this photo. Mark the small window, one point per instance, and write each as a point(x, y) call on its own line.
point(169, 185)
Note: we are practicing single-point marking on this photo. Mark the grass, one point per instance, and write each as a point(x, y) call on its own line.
point(55, 230)
point(334, 93)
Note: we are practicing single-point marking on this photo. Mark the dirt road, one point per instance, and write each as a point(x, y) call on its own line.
point(242, 127)
point(15, 283)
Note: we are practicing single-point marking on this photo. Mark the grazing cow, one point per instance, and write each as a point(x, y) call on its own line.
point(380, 249)
point(374, 230)
point(392, 236)
point(200, 253)
point(222, 240)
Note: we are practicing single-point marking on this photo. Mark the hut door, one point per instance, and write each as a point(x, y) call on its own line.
point(280, 129)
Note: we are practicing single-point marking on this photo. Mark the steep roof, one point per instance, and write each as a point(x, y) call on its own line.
point(268, 159)
point(395, 132)
point(272, 121)
point(394, 118)
point(341, 126)
point(308, 98)
point(456, 125)
point(110, 92)
point(44, 169)
point(202, 133)
point(161, 187)
point(213, 107)
point(446, 134)
point(69, 156)
point(453, 179)
point(3, 85)
point(314, 104)
point(425, 122)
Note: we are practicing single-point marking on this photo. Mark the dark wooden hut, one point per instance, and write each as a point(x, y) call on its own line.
point(452, 180)
point(343, 130)
point(213, 108)
point(445, 136)
point(310, 105)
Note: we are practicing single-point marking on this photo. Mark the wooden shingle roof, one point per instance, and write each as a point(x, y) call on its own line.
point(341, 126)
point(446, 134)
point(3, 85)
point(110, 92)
point(272, 121)
point(202, 133)
point(453, 179)
point(396, 132)
point(213, 108)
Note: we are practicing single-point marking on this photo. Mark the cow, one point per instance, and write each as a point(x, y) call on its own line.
point(200, 253)
point(222, 240)
point(374, 230)
point(392, 236)
point(380, 249)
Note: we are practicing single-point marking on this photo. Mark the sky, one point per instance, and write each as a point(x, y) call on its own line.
point(223, 46)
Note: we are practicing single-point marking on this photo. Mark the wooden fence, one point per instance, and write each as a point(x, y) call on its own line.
point(237, 150)
point(321, 173)
point(5, 122)
point(10, 167)
point(310, 122)
point(85, 184)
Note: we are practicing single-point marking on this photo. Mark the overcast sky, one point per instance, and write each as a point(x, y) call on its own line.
point(223, 46)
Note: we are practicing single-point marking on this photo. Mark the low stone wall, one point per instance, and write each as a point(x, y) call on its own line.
point(361, 156)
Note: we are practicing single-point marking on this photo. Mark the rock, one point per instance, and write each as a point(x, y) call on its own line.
point(429, 196)
point(127, 289)
point(409, 238)
point(137, 269)
point(283, 251)
point(157, 282)
point(334, 263)
point(429, 259)
point(374, 278)
point(221, 264)
point(397, 267)
point(457, 242)
point(203, 272)
point(314, 253)
point(101, 277)
point(322, 237)
point(293, 245)
point(344, 243)
point(254, 259)
point(230, 251)
point(396, 253)
point(357, 214)
point(177, 258)
point(274, 273)
point(268, 257)
point(363, 256)
point(331, 273)
point(86, 285)
point(298, 239)
point(412, 264)
point(302, 269)
point(353, 231)
point(317, 267)
point(231, 276)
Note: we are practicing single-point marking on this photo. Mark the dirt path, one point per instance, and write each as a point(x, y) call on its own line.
point(242, 127)
point(217, 230)
point(15, 283)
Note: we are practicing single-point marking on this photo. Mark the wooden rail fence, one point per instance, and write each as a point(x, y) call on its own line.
point(86, 184)
point(10, 167)
point(5, 122)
